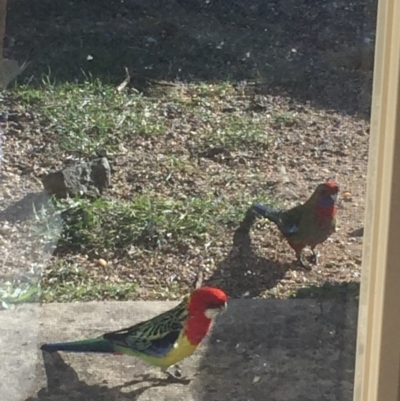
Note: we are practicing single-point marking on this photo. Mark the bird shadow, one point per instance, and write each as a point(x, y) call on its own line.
point(63, 384)
point(244, 273)
point(24, 208)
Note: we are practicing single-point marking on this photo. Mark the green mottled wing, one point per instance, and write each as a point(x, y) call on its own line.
point(154, 337)
point(290, 221)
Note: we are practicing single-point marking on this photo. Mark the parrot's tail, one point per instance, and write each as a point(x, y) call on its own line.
point(267, 211)
point(97, 345)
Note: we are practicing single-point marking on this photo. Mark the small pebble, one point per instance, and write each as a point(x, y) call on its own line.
point(102, 262)
point(347, 196)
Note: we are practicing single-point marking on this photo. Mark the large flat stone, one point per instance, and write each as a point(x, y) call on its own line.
point(259, 350)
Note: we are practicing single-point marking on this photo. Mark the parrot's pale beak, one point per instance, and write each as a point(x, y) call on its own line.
point(334, 197)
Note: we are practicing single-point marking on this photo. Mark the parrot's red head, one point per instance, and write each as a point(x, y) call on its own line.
point(208, 301)
point(326, 193)
point(204, 304)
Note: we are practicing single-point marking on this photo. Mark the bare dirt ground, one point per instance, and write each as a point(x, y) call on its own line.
point(295, 70)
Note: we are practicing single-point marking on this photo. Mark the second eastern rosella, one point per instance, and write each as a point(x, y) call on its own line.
point(162, 341)
point(308, 224)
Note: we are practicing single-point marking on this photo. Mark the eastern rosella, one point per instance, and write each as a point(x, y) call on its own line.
point(165, 339)
point(308, 224)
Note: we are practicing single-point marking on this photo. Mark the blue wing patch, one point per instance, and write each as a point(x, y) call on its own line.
point(290, 231)
point(161, 346)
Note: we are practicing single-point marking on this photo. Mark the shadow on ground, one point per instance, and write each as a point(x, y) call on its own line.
point(63, 384)
point(26, 207)
point(243, 273)
point(343, 291)
point(285, 46)
point(282, 350)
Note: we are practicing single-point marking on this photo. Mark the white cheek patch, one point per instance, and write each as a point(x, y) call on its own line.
point(211, 313)
point(334, 197)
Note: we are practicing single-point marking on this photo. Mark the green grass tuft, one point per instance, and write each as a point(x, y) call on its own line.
point(147, 221)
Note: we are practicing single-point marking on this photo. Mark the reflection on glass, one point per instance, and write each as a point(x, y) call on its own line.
point(144, 145)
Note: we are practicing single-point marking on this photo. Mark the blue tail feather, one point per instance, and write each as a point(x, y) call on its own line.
point(94, 345)
point(267, 211)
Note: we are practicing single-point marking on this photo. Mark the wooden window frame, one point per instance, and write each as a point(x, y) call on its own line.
point(377, 372)
point(3, 13)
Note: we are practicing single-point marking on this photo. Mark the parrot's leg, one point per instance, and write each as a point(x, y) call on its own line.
point(300, 263)
point(315, 256)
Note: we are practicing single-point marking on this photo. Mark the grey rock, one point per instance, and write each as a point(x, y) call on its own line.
point(84, 179)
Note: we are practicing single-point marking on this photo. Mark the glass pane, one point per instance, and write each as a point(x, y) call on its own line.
point(152, 147)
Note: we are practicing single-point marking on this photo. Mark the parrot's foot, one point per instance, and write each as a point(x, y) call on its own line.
point(299, 262)
point(314, 257)
point(176, 377)
point(178, 371)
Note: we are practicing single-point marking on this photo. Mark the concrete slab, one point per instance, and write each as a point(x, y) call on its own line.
point(275, 350)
